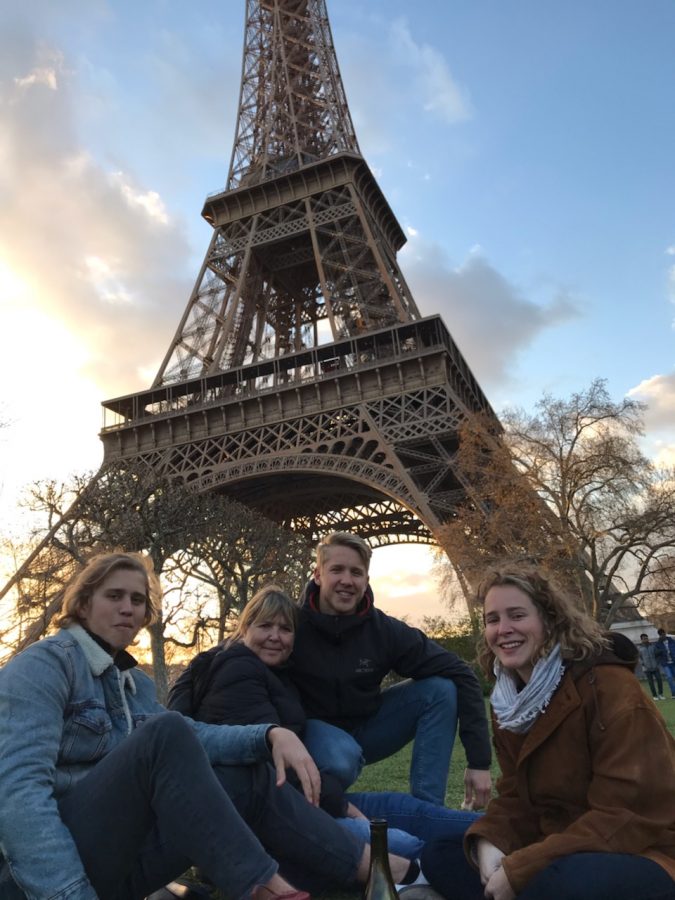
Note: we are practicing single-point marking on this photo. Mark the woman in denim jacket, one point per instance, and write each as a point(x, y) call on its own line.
point(106, 794)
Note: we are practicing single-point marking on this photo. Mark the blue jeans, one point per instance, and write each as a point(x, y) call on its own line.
point(154, 806)
point(669, 672)
point(424, 710)
point(580, 876)
point(411, 822)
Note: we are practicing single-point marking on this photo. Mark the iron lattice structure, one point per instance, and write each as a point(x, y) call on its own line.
point(301, 379)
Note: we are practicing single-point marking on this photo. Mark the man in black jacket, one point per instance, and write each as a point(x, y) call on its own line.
point(344, 647)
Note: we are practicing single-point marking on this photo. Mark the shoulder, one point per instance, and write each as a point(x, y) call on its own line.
point(385, 622)
point(53, 650)
point(237, 661)
point(612, 690)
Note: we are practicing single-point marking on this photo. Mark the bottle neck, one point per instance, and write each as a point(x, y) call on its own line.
point(378, 839)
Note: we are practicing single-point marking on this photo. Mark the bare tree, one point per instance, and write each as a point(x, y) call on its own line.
point(197, 539)
point(567, 487)
point(660, 601)
point(245, 552)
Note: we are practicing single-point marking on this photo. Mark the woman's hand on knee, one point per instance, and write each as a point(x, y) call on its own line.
point(288, 751)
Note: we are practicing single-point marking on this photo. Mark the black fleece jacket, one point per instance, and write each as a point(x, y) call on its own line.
point(339, 663)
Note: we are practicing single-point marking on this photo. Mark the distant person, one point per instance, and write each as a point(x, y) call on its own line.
point(248, 681)
point(650, 666)
point(665, 656)
point(585, 805)
point(344, 648)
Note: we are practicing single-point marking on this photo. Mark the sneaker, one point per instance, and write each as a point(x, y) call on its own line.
point(661, 697)
point(419, 892)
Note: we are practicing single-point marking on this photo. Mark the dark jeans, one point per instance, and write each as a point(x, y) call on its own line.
point(655, 682)
point(313, 851)
point(154, 806)
point(580, 876)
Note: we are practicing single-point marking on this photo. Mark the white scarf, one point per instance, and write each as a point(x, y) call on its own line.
point(518, 710)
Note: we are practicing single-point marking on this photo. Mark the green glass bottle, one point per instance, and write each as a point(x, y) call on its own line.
point(380, 884)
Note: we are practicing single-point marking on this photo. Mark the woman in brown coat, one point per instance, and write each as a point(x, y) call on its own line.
point(586, 799)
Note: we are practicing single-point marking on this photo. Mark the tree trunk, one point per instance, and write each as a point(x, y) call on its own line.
point(159, 660)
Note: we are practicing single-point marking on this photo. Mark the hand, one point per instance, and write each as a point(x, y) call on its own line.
point(498, 887)
point(354, 813)
point(489, 859)
point(477, 788)
point(288, 752)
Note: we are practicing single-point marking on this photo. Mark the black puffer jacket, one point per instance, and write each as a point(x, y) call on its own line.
point(243, 690)
point(339, 663)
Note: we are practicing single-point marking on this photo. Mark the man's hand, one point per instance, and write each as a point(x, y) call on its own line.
point(489, 859)
point(288, 752)
point(477, 788)
point(498, 887)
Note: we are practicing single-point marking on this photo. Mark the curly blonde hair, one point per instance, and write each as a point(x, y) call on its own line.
point(578, 634)
point(80, 590)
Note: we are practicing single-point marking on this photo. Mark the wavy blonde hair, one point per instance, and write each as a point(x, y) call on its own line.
point(343, 539)
point(269, 603)
point(578, 634)
point(79, 591)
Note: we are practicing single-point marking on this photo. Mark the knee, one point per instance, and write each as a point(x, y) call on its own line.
point(344, 762)
point(439, 690)
point(334, 751)
point(169, 731)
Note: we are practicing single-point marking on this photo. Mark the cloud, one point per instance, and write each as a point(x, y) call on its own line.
point(40, 75)
point(489, 318)
point(98, 250)
point(658, 392)
point(439, 92)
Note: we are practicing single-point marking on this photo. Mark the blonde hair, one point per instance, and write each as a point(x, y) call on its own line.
point(79, 591)
point(343, 539)
point(578, 634)
point(269, 603)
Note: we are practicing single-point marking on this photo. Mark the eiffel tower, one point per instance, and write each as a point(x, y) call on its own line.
point(302, 380)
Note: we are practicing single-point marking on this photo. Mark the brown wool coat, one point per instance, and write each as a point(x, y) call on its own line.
point(595, 773)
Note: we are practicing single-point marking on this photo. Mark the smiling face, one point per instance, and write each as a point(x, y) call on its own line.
point(271, 641)
point(342, 578)
point(514, 628)
point(116, 609)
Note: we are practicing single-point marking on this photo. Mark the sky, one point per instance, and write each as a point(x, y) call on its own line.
point(526, 148)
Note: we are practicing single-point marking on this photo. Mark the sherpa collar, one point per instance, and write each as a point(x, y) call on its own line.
point(97, 657)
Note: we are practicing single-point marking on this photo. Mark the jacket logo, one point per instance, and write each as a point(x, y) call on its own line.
point(364, 666)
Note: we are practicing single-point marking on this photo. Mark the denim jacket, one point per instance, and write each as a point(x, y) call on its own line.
point(63, 706)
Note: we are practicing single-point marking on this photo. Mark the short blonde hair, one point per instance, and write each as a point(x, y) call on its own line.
point(565, 623)
point(343, 539)
point(80, 590)
point(269, 603)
